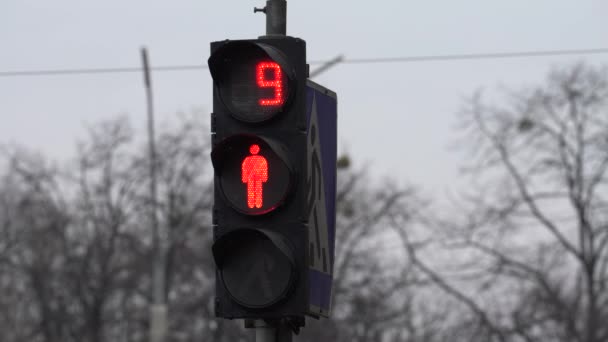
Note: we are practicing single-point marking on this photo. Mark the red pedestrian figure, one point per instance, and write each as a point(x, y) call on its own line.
point(254, 173)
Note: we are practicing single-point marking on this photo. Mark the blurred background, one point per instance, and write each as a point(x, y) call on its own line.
point(472, 142)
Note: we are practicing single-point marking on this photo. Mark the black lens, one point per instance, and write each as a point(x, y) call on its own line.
point(255, 271)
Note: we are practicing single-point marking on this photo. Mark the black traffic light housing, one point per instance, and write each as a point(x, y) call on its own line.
point(269, 185)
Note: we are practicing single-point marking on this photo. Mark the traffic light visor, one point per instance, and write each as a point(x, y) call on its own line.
point(253, 80)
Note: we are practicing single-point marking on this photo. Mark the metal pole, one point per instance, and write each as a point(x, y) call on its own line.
point(276, 17)
point(158, 309)
point(326, 66)
point(276, 25)
point(265, 334)
point(276, 331)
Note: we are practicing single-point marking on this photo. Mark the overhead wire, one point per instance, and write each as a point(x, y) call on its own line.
point(496, 55)
point(399, 59)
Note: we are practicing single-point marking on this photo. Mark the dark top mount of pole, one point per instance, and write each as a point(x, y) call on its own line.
point(276, 17)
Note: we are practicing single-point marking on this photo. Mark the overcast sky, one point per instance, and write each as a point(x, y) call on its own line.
point(398, 118)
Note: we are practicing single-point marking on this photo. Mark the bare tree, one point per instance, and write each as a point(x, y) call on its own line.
point(185, 200)
point(529, 261)
point(375, 286)
point(76, 247)
point(33, 218)
point(77, 242)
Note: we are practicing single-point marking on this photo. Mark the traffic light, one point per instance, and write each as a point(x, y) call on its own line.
point(274, 157)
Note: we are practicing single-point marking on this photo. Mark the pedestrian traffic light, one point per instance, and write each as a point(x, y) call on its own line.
point(254, 173)
point(274, 156)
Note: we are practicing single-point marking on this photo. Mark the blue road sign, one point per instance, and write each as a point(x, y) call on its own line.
point(321, 106)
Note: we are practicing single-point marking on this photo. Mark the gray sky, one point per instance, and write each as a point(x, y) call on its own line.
point(397, 118)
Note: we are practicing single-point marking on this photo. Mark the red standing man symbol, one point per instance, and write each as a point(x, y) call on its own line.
point(254, 173)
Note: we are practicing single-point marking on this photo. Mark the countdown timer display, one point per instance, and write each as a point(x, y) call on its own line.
point(255, 89)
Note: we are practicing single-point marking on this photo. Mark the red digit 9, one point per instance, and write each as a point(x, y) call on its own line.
point(276, 82)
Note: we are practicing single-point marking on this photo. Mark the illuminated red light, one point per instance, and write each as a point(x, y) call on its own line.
point(276, 82)
point(254, 172)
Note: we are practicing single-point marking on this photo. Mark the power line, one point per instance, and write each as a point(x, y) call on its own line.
point(88, 71)
point(401, 59)
point(475, 56)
